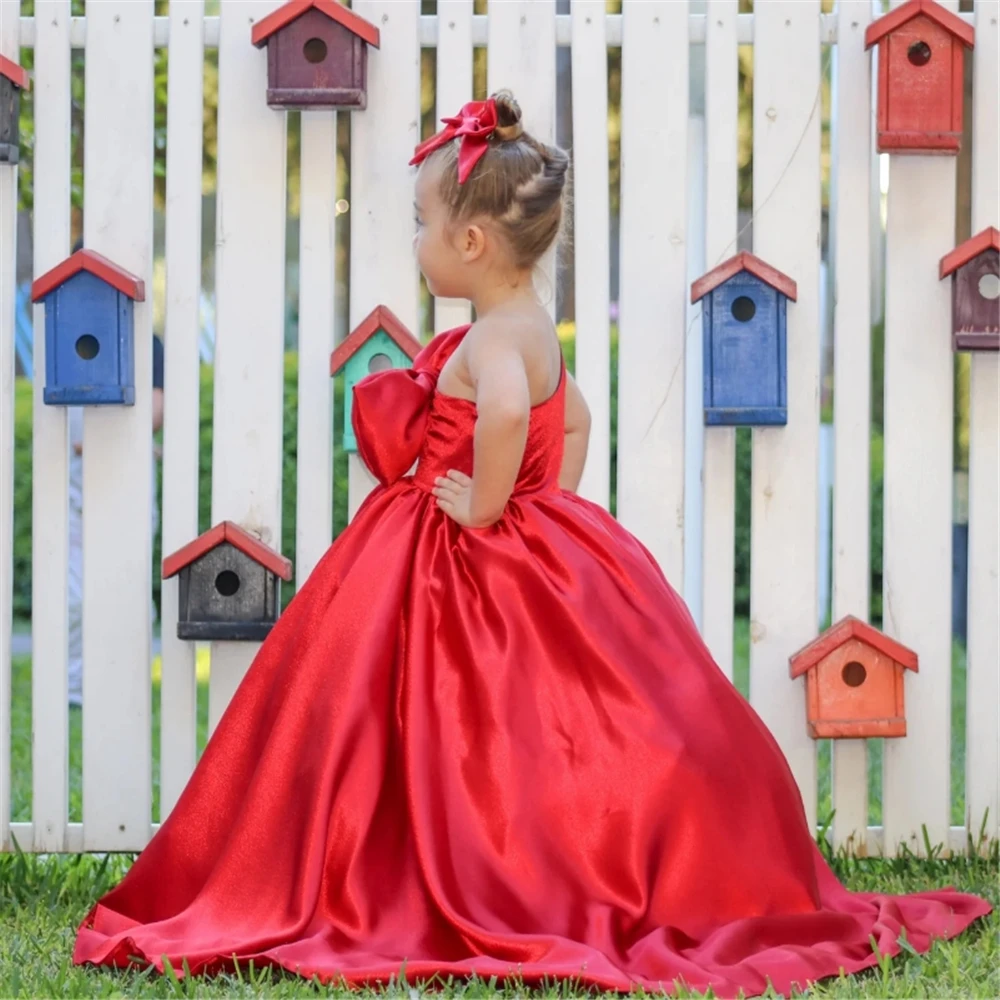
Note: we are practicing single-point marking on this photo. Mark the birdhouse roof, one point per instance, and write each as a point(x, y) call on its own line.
point(16, 74)
point(988, 239)
point(227, 531)
point(100, 267)
point(744, 261)
point(846, 629)
point(380, 318)
point(284, 16)
point(952, 23)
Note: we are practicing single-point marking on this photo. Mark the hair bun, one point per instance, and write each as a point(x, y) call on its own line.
point(509, 125)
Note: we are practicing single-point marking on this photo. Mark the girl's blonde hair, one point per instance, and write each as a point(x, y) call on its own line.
point(519, 184)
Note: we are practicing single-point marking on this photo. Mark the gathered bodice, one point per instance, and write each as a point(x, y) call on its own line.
point(400, 417)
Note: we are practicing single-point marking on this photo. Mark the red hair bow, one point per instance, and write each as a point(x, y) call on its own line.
point(474, 124)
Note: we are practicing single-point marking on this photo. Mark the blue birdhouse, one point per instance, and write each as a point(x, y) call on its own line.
point(743, 318)
point(380, 342)
point(89, 331)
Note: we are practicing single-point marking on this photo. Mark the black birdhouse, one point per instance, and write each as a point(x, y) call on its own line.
point(229, 585)
point(974, 268)
point(743, 318)
point(13, 80)
point(317, 55)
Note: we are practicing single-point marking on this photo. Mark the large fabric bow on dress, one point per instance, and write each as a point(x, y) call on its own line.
point(474, 124)
point(390, 410)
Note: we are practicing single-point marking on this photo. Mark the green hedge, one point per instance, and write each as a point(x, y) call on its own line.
point(22, 486)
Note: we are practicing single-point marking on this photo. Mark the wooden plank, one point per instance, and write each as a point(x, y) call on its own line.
point(383, 268)
point(50, 470)
point(916, 557)
point(9, 47)
point(454, 88)
point(982, 761)
point(522, 58)
point(591, 253)
point(249, 346)
point(852, 398)
point(719, 501)
point(117, 441)
point(653, 293)
point(317, 260)
point(430, 31)
point(178, 683)
point(784, 494)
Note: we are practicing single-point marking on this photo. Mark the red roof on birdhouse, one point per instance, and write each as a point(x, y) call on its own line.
point(952, 23)
point(227, 531)
point(16, 74)
point(284, 16)
point(988, 239)
point(744, 261)
point(380, 318)
point(846, 629)
point(100, 267)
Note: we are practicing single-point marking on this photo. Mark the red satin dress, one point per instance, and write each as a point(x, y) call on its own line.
point(497, 751)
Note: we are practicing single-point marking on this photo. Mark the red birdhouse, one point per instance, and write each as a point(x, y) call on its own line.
point(854, 682)
point(975, 292)
point(920, 82)
point(317, 55)
point(13, 79)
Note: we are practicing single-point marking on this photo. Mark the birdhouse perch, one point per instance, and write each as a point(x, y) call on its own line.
point(974, 268)
point(920, 77)
point(854, 682)
point(317, 55)
point(743, 319)
point(379, 342)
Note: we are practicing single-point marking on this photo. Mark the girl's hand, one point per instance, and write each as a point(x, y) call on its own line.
point(454, 497)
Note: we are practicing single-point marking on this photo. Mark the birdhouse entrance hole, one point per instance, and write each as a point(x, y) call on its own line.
point(314, 50)
point(854, 674)
point(919, 53)
point(743, 309)
point(379, 363)
point(227, 583)
point(989, 286)
point(88, 347)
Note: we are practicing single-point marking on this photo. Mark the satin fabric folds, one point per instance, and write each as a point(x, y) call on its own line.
point(502, 751)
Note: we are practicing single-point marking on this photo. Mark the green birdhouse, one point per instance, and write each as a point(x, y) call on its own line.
point(380, 342)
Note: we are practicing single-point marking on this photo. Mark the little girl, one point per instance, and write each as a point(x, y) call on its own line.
point(486, 736)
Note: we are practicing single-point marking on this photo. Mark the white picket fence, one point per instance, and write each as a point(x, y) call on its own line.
point(663, 455)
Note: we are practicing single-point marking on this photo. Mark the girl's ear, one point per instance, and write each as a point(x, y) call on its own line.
point(472, 242)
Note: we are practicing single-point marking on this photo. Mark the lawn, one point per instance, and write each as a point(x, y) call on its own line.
point(42, 900)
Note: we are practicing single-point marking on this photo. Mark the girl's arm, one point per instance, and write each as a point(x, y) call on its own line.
point(503, 405)
point(577, 437)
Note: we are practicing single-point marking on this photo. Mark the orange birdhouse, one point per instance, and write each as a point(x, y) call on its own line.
point(854, 682)
point(920, 82)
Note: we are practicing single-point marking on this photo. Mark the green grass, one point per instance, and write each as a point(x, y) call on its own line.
point(42, 901)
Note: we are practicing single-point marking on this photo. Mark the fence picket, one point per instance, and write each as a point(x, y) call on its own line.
point(454, 89)
point(10, 30)
point(983, 686)
point(249, 351)
point(591, 239)
point(653, 279)
point(784, 490)
point(383, 268)
point(719, 499)
point(178, 680)
point(916, 581)
point(117, 440)
point(852, 400)
point(49, 495)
